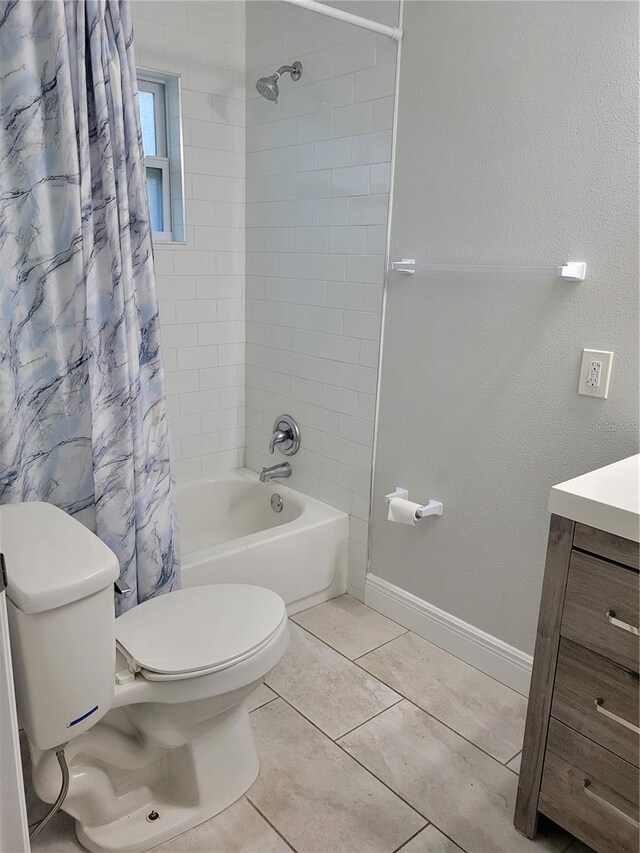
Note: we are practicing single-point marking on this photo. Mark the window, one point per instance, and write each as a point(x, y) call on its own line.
point(159, 102)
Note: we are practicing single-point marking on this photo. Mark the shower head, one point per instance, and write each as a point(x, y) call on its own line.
point(268, 86)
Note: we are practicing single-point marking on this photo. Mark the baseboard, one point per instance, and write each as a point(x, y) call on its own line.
point(355, 592)
point(488, 654)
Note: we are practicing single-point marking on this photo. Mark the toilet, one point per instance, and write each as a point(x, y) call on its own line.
point(151, 705)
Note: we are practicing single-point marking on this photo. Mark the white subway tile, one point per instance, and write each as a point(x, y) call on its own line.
point(355, 429)
point(293, 363)
point(199, 401)
point(358, 378)
point(192, 358)
point(309, 292)
point(231, 309)
point(219, 377)
point(350, 181)
point(175, 287)
point(372, 298)
point(198, 445)
point(188, 469)
point(368, 210)
point(332, 153)
point(386, 49)
point(344, 295)
point(307, 391)
point(376, 239)
point(340, 399)
point(221, 420)
point(325, 320)
point(336, 92)
point(312, 239)
point(360, 506)
point(360, 324)
point(354, 479)
point(294, 265)
point(383, 113)
point(309, 343)
point(337, 448)
point(335, 495)
point(228, 354)
point(312, 185)
point(179, 336)
point(324, 370)
point(294, 315)
point(280, 133)
point(180, 381)
point(314, 126)
point(321, 420)
point(354, 119)
point(369, 351)
point(380, 178)
point(360, 54)
point(169, 359)
point(330, 211)
point(340, 348)
point(372, 148)
point(366, 406)
point(348, 239)
point(365, 268)
point(376, 82)
point(216, 333)
point(194, 263)
point(197, 310)
point(185, 425)
point(328, 267)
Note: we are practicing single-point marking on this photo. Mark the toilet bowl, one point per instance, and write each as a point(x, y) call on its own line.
point(151, 706)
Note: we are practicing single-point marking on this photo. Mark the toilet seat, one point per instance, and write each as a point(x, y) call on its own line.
point(197, 631)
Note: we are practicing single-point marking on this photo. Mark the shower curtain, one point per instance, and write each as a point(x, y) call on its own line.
point(83, 419)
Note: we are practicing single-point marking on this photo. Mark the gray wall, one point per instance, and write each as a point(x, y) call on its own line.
point(516, 144)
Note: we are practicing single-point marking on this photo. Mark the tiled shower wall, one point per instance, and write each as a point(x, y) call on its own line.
point(317, 189)
point(201, 284)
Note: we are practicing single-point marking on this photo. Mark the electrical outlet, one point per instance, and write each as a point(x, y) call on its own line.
point(595, 373)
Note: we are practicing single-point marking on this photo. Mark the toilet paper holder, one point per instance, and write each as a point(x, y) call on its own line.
point(430, 508)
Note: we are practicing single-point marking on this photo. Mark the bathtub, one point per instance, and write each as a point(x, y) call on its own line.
point(229, 532)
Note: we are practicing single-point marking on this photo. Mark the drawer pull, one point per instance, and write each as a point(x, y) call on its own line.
point(611, 617)
point(608, 805)
point(599, 703)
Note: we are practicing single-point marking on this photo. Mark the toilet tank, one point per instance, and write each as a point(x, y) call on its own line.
point(60, 580)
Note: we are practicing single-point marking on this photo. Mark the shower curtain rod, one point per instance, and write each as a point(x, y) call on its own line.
point(348, 18)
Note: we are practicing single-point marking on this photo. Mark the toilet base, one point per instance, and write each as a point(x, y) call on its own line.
point(214, 772)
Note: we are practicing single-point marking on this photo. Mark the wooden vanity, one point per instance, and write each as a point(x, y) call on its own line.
point(580, 755)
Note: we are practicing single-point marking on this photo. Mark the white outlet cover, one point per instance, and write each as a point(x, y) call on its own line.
point(606, 359)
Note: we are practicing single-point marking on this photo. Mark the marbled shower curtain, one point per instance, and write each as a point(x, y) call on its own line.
point(83, 420)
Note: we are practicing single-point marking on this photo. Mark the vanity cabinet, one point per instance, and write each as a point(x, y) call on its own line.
point(580, 755)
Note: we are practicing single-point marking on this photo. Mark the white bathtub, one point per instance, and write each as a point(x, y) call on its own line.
point(230, 533)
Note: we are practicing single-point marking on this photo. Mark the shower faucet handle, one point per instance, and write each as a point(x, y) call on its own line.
point(286, 436)
point(278, 437)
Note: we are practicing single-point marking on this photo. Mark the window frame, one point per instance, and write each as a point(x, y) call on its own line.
point(166, 88)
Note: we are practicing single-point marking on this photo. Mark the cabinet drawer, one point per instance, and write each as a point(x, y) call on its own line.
point(597, 698)
point(589, 791)
point(607, 545)
point(601, 608)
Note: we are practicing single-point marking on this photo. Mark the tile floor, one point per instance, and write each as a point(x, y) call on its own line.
point(371, 740)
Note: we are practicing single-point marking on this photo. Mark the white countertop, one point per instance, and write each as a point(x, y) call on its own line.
point(608, 498)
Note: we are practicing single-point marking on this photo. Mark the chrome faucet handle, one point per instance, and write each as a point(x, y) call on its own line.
point(279, 437)
point(286, 435)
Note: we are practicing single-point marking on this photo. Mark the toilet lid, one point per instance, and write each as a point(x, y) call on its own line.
point(199, 630)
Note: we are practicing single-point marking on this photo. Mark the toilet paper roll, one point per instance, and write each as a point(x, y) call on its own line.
point(402, 512)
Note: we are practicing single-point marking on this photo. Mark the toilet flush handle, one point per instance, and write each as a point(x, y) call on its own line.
point(122, 588)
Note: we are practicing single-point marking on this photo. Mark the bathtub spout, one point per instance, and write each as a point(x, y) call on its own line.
point(276, 472)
